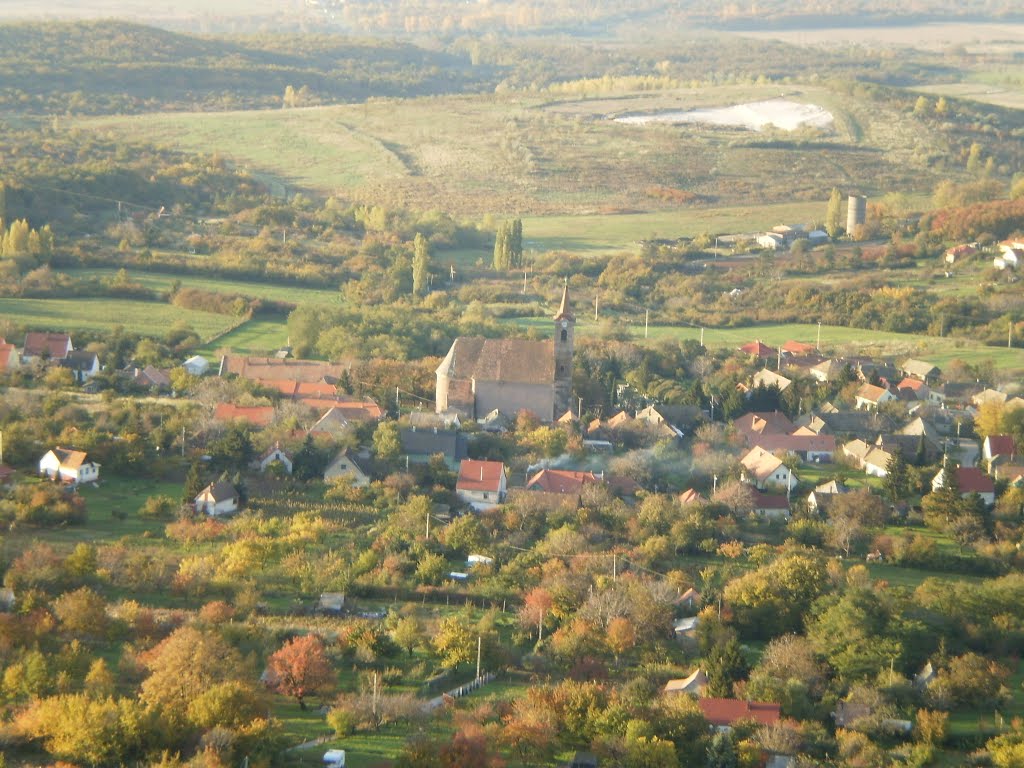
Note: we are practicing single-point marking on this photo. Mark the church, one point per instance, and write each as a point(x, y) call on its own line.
point(480, 375)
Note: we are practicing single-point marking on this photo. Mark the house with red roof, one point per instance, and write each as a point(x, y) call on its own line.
point(999, 449)
point(481, 484)
point(798, 348)
point(913, 389)
point(771, 506)
point(55, 346)
point(561, 481)
point(970, 480)
point(9, 357)
point(723, 714)
point(755, 425)
point(256, 415)
point(869, 397)
point(757, 349)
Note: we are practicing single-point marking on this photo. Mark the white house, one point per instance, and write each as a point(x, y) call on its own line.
point(771, 240)
point(970, 480)
point(272, 454)
point(196, 365)
point(83, 365)
point(220, 498)
point(349, 466)
point(762, 469)
point(69, 465)
point(869, 397)
point(481, 484)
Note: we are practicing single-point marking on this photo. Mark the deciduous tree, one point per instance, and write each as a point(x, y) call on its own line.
point(300, 668)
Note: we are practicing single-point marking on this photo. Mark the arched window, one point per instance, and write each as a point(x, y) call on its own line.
point(565, 335)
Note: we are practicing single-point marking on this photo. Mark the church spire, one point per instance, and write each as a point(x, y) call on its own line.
point(565, 308)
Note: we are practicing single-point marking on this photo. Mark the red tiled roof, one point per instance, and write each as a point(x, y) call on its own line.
point(296, 389)
point(973, 480)
point(7, 353)
point(798, 348)
point(55, 344)
point(353, 410)
point(561, 481)
point(1001, 445)
point(757, 349)
point(480, 475)
point(870, 392)
point(257, 415)
point(909, 383)
point(769, 500)
point(795, 443)
point(729, 711)
point(765, 423)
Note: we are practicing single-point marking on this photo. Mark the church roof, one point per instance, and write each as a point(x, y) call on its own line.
point(565, 307)
point(507, 360)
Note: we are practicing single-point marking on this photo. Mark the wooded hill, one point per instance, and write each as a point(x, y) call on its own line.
point(109, 67)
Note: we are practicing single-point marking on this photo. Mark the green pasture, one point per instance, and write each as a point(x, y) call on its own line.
point(834, 340)
point(260, 337)
point(97, 315)
point(539, 154)
point(161, 281)
point(106, 503)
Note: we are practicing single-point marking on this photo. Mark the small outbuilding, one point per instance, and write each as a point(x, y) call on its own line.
point(220, 498)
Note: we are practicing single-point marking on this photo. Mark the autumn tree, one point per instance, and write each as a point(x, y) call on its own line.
point(300, 668)
point(620, 636)
point(420, 265)
point(536, 608)
point(83, 729)
point(834, 215)
point(407, 633)
point(453, 642)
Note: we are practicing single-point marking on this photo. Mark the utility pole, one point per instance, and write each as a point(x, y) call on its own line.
point(595, 307)
point(702, 338)
point(615, 567)
point(524, 281)
point(398, 401)
point(579, 415)
point(428, 523)
point(479, 648)
point(647, 317)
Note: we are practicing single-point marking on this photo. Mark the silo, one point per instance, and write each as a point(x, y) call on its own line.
point(856, 213)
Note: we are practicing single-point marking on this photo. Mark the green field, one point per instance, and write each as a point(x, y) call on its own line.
point(537, 154)
point(95, 315)
point(161, 281)
point(260, 337)
point(834, 340)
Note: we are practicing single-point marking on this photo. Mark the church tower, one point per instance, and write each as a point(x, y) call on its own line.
point(565, 326)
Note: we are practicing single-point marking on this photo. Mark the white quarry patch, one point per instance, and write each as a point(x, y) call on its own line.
point(756, 115)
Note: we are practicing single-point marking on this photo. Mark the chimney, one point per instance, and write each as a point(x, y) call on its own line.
point(481, 473)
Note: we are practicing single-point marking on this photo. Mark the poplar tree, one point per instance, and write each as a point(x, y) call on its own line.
point(502, 247)
point(420, 265)
point(834, 217)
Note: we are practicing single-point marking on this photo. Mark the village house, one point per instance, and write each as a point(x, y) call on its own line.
point(561, 481)
point(49, 346)
point(9, 357)
point(754, 426)
point(770, 506)
point(765, 378)
point(822, 495)
point(693, 685)
point(355, 467)
point(869, 397)
point(919, 369)
point(722, 714)
point(83, 365)
point(68, 465)
point(957, 252)
point(258, 416)
point(690, 496)
point(219, 498)
point(763, 469)
point(274, 454)
point(874, 461)
point(999, 449)
point(830, 370)
point(758, 350)
point(421, 444)
point(149, 377)
point(481, 484)
point(970, 480)
point(480, 375)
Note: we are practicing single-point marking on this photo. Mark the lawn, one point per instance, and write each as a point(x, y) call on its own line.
point(123, 496)
point(99, 315)
point(260, 337)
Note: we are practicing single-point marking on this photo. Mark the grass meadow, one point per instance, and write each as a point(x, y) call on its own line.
point(97, 315)
point(539, 154)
